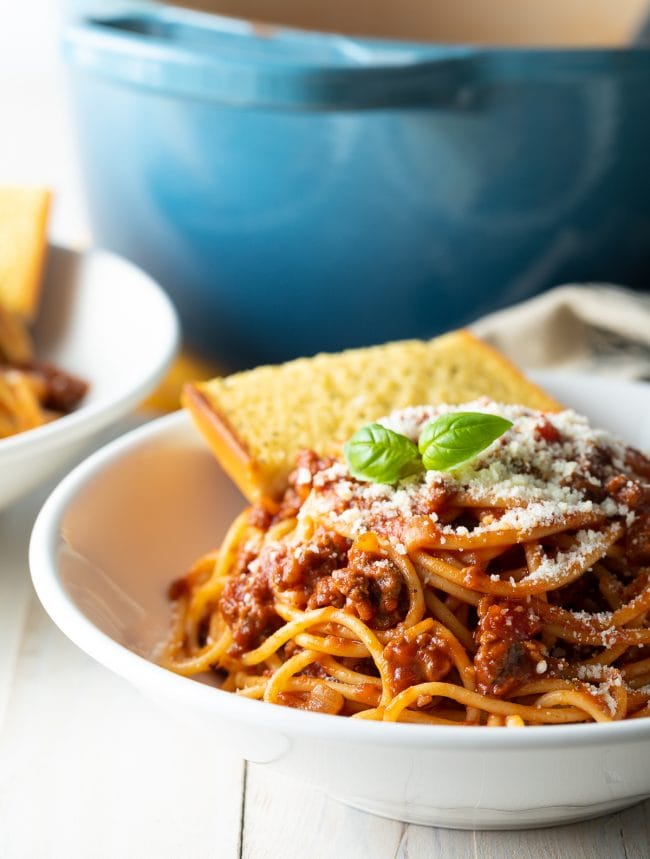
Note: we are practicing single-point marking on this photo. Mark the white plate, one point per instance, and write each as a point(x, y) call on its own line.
point(106, 321)
point(162, 492)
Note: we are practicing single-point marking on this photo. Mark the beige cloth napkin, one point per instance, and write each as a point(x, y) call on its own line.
point(593, 328)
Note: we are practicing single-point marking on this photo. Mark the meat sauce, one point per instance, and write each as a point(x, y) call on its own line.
point(422, 660)
point(329, 570)
point(62, 391)
point(247, 607)
point(326, 572)
point(507, 653)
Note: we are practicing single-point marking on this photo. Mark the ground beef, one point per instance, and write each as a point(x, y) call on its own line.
point(247, 607)
point(306, 570)
point(423, 660)
point(63, 391)
point(507, 653)
point(373, 588)
point(307, 462)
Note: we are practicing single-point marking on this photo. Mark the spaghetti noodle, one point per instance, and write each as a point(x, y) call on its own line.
point(514, 591)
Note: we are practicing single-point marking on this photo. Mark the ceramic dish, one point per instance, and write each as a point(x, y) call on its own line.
point(162, 492)
point(403, 154)
point(106, 321)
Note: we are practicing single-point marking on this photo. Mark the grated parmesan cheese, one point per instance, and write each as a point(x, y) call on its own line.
point(539, 481)
point(601, 679)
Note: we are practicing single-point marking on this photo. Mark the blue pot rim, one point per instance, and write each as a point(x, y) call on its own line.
point(208, 57)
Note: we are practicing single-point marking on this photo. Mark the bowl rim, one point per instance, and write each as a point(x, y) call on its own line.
point(78, 422)
point(141, 672)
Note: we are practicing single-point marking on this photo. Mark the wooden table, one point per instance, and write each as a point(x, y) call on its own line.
point(90, 769)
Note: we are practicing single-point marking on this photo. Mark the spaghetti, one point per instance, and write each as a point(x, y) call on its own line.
point(512, 592)
point(31, 393)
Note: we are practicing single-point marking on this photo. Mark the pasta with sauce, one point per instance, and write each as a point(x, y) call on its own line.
point(31, 392)
point(512, 591)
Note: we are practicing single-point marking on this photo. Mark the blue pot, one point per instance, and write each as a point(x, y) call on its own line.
point(308, 192)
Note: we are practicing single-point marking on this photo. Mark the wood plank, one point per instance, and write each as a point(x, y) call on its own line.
point(89, 768)
point(597, 838)
point(15, 589)
point(291, 819)
point(635, 831)
point(294, 818)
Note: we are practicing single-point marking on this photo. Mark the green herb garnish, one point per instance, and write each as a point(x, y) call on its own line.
point(457, 437)
point(378, 454)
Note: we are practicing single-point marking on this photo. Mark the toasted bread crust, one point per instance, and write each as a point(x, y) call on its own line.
point(23, 242)
point(229, 449)
point(256, 421)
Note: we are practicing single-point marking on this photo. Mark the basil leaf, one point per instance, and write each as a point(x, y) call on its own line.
point(381, 455)
point(457, 437)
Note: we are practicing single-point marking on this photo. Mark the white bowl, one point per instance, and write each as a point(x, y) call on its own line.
point(162, 492)
point(106, 321)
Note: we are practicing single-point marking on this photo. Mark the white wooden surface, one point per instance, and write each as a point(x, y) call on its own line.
point(90, 770)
